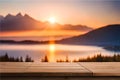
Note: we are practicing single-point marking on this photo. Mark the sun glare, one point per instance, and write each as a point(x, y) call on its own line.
point(52, 20)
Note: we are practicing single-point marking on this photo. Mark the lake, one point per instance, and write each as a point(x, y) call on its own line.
point(53, 51)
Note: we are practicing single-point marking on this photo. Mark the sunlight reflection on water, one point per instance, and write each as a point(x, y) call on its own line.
point(53, 51)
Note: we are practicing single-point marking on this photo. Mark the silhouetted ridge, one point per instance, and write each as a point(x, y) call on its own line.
point(107, 35)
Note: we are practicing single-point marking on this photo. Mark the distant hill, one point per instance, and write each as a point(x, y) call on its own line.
point(25, 22)
point(107, 35)
point(22, 42)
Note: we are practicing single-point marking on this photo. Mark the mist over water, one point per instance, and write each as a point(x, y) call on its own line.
point(53, 51)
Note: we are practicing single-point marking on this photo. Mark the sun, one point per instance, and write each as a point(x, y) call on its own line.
point(52, 20)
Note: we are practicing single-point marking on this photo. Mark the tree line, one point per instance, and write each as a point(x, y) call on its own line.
point(6, 58)
point(100, 58)
point(95, 58)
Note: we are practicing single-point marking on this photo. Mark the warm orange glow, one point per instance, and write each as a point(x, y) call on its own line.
point(51, 53)
point(52, 47)
point(52, 20)
point(41, 33)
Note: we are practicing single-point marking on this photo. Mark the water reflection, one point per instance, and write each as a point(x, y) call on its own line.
point(51, 52)
point(54, 51)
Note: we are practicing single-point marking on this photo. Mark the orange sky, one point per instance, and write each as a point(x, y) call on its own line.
point(93, 13)
point(40, 33)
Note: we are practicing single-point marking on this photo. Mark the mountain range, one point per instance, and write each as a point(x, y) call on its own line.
point(18, 23)
point(21, 22)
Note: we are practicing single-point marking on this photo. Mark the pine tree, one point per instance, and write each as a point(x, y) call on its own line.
point(21, 59)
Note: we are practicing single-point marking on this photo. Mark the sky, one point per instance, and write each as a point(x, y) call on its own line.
point(93, 13)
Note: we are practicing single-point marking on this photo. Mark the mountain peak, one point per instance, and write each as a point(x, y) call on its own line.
point(28, 17)
point(9, 15)
point(19, 14)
